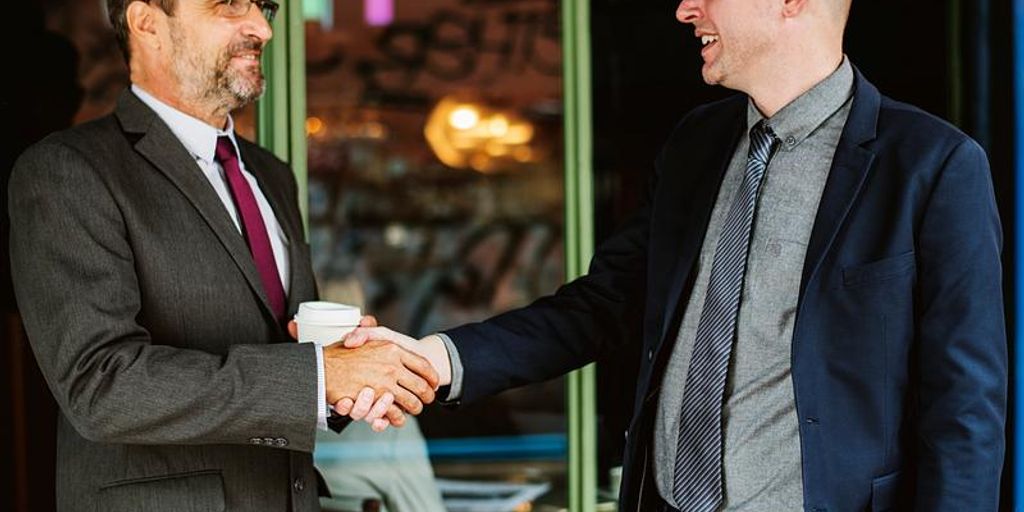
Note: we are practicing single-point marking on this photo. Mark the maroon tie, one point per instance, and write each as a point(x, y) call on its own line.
point(253, 228)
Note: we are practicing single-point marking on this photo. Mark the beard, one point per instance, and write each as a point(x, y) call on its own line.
point(246, 85)
point(213, 80)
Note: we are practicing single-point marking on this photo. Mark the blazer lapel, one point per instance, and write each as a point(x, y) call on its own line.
point(166, 153)
point(850, 167)
point(293, 230)
point(693, 196)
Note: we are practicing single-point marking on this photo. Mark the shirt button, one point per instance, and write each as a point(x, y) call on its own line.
point(298, 485)
point(650, 354)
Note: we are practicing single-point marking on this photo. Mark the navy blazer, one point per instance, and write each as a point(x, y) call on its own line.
point(899, 362)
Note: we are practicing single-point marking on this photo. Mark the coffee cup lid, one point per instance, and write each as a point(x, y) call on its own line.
point(328, 313)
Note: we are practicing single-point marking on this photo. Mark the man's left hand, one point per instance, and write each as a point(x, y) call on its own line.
point(379, 415)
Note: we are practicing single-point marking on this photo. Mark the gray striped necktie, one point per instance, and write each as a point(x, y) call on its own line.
point(698, 472)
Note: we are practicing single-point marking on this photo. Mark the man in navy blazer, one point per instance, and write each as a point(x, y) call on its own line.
point(868, 366)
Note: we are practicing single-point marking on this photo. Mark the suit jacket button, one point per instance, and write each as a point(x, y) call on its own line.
point(650, 354)
point(298, 485)
point(255, 441)
point(280, 442)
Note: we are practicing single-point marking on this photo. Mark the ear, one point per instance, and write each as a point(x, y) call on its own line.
point(143, 22)
point(791, 8)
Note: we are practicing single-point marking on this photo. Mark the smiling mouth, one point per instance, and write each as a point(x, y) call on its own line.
point(708, 41)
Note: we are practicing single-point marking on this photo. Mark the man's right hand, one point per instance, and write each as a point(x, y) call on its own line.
point(386, 368)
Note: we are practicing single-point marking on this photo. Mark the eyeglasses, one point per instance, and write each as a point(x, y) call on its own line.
point(239, 8)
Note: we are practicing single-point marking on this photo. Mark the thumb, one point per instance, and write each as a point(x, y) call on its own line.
point(385, 334)
point(293, 329)
point(368, 321)
point(355, 339)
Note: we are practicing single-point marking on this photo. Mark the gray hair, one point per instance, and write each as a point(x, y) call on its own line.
point(116, 12)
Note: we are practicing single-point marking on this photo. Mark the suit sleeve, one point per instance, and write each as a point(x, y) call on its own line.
point(568, 329)
point(962, 352)
point(75, 280)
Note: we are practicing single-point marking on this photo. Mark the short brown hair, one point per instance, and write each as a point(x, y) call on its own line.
point(116, 12)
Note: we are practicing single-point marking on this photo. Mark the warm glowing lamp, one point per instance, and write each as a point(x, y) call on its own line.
point(464, 117)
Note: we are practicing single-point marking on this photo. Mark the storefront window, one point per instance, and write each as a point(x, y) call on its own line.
point(436, 199)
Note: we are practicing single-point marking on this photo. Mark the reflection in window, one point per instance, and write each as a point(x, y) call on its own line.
point(435, 199)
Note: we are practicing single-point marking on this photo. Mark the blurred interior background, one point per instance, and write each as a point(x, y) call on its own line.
point(436, 193)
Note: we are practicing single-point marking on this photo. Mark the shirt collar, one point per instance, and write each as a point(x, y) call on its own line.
point(199, 138)
point(797, 120)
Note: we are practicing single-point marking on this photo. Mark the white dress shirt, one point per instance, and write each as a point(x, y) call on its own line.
point(200, 139)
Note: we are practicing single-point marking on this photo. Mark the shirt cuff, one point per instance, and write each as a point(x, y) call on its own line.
point(321, 394)
point(455, 388)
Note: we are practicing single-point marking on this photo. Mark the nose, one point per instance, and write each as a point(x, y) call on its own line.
point(689, 11)
point(257, 25)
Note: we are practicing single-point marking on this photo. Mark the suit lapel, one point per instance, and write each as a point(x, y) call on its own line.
point(277, 197)
point(693, 196)
point(850, 167)
point(165, 152)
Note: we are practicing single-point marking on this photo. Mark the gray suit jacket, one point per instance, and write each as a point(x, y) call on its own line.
point(178, 390)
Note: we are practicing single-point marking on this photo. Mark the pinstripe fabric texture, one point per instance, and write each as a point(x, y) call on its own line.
point(698, 472)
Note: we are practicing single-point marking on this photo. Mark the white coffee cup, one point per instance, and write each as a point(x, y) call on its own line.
point(325, 323)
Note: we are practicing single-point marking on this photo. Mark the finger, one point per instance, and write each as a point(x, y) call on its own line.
point(380, 408)
point(408, 401)
point(422, 367)
point(368, 321)
point(355, 339)
point(344, 406)
point(395, 416)
point(293, 329)
point(363, 403)
point(417, 386)
point(379, 425)
point(385, 334)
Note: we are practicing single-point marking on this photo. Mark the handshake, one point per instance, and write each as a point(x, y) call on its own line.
point(378, 375)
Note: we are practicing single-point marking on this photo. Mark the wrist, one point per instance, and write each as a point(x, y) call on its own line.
point(434, 350)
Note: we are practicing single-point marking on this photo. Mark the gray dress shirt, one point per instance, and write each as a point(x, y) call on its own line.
point(762, 444)
point(761, 439)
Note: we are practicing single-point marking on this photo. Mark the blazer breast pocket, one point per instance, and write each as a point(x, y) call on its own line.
point(880, 270)
point(198, 491)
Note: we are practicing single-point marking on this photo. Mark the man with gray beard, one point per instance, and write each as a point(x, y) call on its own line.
point(156, 257)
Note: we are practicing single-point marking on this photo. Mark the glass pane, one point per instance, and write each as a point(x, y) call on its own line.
point(435, 199)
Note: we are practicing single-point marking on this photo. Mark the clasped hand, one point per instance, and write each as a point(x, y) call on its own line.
point(378, 375)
